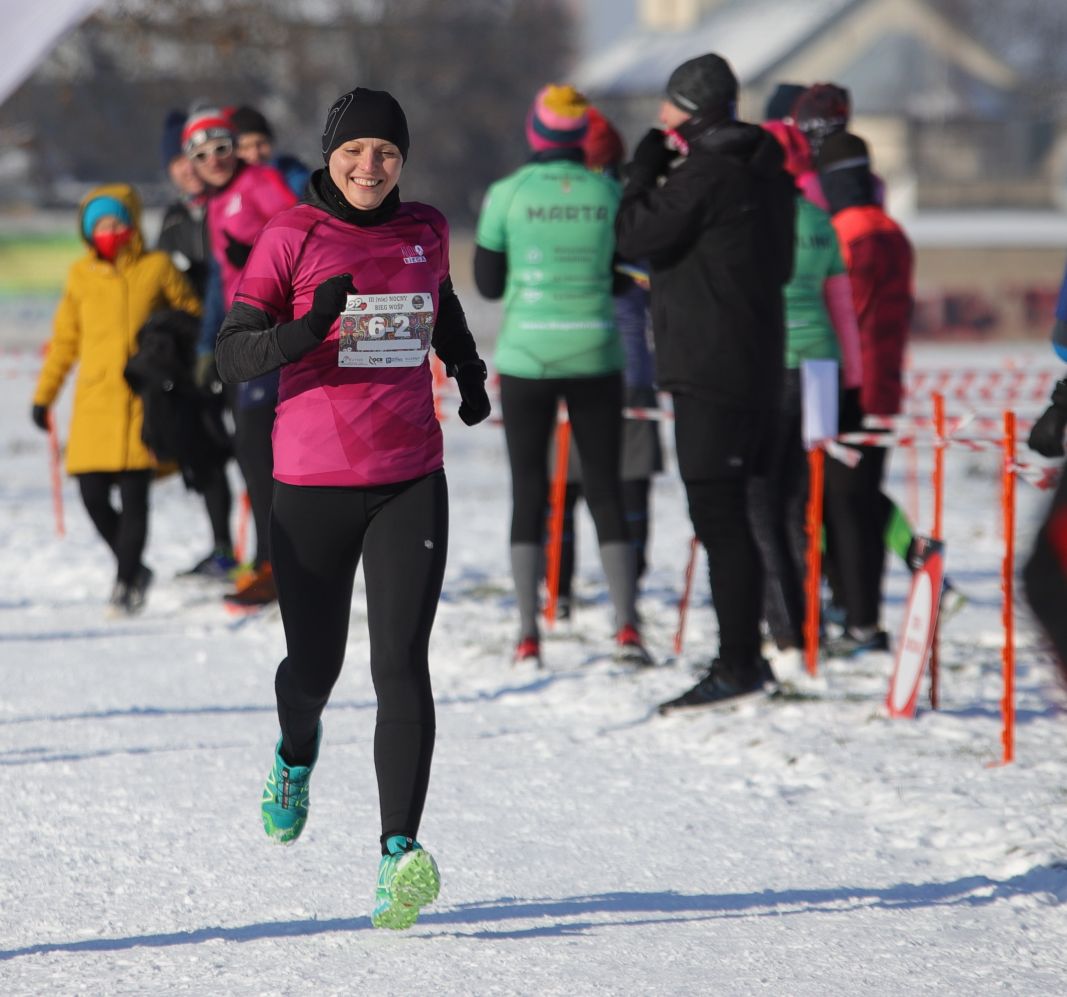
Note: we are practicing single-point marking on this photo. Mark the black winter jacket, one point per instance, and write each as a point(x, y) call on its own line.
point(719, 235)
point(183, 235)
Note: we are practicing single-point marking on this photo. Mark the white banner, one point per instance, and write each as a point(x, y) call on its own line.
point(30, 31)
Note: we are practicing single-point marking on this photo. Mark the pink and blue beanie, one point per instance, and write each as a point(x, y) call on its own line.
point(558, 119)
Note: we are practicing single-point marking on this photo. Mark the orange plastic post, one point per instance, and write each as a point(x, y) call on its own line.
point(244, 513)
point(440, 379)
point(1007, 703)
point(813, 581)
point(558, 497)
point(938, 534)
point(687, 589)
point(57, 477)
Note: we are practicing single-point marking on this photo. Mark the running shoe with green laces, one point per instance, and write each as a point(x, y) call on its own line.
point(408, 880)
point(285, 796)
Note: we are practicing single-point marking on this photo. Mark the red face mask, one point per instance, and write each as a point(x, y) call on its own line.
point(108, 244)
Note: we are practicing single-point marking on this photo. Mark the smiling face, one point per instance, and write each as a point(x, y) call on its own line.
point(214, 161)
point(366, 170)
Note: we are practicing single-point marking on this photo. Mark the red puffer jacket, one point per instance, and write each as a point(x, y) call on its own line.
point(880, 265)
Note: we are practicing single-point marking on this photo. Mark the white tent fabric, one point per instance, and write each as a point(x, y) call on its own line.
point(30, 29)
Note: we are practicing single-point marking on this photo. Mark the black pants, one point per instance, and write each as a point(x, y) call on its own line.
point(855, 519)
point(635, 502)
point(719, 449)
point(594, 407)
point(1045, 574)
point(318, 536)
point(778, 501)
point(124, 530)
point(255, 454)
point(218, 500)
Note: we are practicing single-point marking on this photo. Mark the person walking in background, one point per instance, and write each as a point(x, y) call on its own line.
point(718, 229)
point(545, 244)
point(820, 325)
point(241, 200)
point(879, 260)
point(109, 294)
point(183, 235)
point(358, 463)
point(255, 146)
point(642, 453)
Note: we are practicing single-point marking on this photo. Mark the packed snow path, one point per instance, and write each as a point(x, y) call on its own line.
point(803, 847)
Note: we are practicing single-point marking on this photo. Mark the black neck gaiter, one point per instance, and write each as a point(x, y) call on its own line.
point(325, 194)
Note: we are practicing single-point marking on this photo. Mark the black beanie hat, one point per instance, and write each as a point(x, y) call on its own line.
point(842, 151)
point(703, 84)
point(363, 113)
point(780, 103)
point(247, 120)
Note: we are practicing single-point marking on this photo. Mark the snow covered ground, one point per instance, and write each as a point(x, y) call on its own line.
point(586, 847)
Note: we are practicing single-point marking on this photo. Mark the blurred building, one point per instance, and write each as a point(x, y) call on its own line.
point(940, 111)
point(974, 171)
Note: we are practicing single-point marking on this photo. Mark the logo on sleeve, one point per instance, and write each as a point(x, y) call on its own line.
point(413, 254)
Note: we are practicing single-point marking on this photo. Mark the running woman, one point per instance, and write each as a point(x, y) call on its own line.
point(358, 463)
point(546, 244)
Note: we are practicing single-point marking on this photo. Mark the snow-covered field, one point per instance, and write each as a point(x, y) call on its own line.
point(792, 848)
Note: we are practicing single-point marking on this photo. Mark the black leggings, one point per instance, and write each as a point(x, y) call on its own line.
point(124, 530)
point(855, 519)
point(317, 538)
point(218, 500)
point(255, 454)
point(594, 407)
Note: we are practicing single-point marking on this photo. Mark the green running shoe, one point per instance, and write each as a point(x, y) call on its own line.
point(408, 880)
point(285, 796)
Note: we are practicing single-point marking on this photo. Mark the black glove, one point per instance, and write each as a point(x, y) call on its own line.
point(1046, 438)
point(850, 412)
point(206, 374)
point(651, 158)
point(237, 252)
point(470, 379)
point(330, 299)
point(39, 414)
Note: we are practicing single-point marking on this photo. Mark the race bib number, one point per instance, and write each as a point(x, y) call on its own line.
point(386, 330)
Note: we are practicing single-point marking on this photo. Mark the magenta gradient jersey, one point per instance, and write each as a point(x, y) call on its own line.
point(239, 211)
point(349, 426)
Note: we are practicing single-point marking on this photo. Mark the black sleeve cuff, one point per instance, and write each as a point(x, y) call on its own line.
point(490, 272)
point(295, 339)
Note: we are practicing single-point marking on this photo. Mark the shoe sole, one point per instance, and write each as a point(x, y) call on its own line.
point(282, 835)
point(416, 883)
point(636, 656)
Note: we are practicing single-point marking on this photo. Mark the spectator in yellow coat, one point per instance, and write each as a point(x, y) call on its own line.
point(109, 294)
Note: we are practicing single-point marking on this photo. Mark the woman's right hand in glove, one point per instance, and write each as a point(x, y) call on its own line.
point(329, 301)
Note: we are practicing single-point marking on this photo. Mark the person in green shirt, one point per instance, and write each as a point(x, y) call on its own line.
point(545, 244)
point(820, 325)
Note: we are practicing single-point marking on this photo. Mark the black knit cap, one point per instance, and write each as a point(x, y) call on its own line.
point(247, 120)
point(841, 151)
point(363, 113)
point(702, 84)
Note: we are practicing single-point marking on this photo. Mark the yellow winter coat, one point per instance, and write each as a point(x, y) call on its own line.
point(103, 307)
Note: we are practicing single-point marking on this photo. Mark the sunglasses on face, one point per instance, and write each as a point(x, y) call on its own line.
point(219, 151)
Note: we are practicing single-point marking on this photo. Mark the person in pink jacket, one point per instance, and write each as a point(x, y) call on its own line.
point(345, 294)
point(242, 198)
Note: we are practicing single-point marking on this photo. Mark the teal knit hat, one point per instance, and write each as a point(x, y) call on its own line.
point(100, 207)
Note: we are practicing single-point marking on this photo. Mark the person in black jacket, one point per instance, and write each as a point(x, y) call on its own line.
point(183, 235)
point(709, 203)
